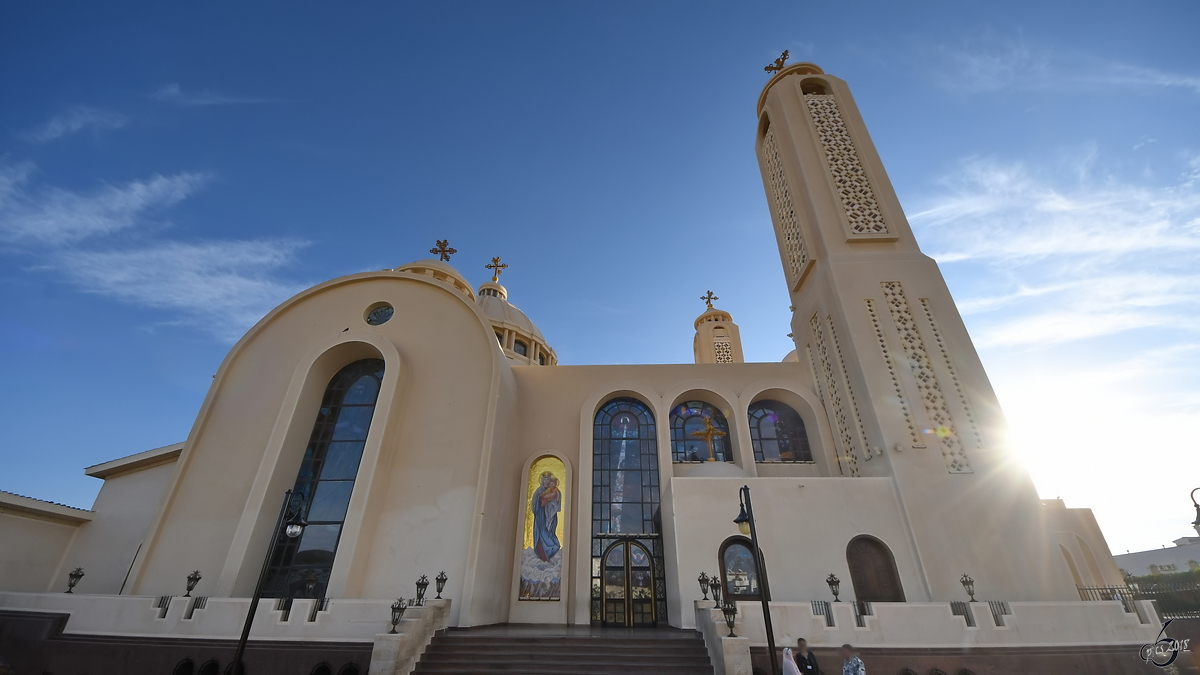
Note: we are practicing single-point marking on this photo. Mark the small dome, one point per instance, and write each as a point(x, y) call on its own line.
point(442, 271)
point(791, 357)
point(506, 319)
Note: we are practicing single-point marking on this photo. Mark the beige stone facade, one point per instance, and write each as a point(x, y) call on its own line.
point(906, 444)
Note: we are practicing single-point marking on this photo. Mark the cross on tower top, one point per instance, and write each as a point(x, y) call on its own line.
point(497, 268)
point(443, 250)
point(708, 299)
point(778, 65)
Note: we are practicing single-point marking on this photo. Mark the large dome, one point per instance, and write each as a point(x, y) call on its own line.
point(517, 335)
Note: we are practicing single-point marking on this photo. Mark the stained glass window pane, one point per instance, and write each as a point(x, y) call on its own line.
point(699, 431)
point(777, 433)
point(741, 577)
point(353, 423)
point(341, 460)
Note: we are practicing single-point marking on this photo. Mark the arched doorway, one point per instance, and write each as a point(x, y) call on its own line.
point(873, 571)
point(626, 522)
point(628, 585)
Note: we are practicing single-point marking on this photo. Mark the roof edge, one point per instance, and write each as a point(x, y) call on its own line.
point(136, 462)
point(39, 507)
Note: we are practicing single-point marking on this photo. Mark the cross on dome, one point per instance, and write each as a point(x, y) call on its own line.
point(778, 65)
point(708, 299)
point(443, 250)
point(497, 268)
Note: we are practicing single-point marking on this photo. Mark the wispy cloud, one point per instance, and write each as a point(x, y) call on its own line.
point(50, 215)
point(79, 118)
point(225, 286)
point(220, 286)
point(992, 63)
point(1081, 289)
point(173, 93)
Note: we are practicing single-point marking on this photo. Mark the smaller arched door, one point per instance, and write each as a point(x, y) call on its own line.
point(628, 585)
point(873, 571)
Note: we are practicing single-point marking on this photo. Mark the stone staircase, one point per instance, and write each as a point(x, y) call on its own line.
point(566, 651)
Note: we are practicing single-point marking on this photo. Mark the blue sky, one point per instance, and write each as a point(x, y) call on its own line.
point(169, 172)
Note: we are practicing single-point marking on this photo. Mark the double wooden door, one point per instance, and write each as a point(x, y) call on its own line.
point(628, 573)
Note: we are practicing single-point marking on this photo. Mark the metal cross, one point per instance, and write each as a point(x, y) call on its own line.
point(443, 250)
point(497, 268)
point(710, 432)
point(778, 65)
point(708, 299)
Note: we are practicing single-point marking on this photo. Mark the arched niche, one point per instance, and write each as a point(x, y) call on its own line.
point(873, 570)
point(541, 575)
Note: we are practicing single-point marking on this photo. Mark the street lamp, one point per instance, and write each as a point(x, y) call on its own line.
point(835, 585)
point(192, 580)
point(291, 522)
point(745, 523)
point(441, 583)
point(729, 609)
point(714, 587)
point(398, 608)
point(422, 584)
point(703, 580)
point(1196, 522)
point(74, 577)
point(968, 585)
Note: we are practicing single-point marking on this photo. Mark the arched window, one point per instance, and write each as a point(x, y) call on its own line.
point(694, 424)
point(625, 496)
point(500, 338)
point(777, 433)
point(541, 359)
point(520, 347)
point(301, 567)
point(873, 571)
point(739, 576)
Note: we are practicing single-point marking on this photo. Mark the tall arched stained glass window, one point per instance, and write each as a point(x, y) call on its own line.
point(625, 500)
point(699, 433)
point(777, 433)
point(300, 568)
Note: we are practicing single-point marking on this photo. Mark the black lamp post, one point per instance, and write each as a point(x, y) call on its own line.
point(729, 609)
point(192, 580)
point(835, 585)
point(1196, 522)
point(714, 587)
point(703, 580)
point(398, 608)
point(745, 523)
point(422, 584)
point(441, 583)
point(968, 585)
point(292, 522)
point(74, 577)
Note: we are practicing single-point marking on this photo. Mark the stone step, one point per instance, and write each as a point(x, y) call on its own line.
point(613, 656)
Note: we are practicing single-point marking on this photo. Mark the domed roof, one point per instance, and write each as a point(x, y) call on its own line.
point(442, 271)
point(499, 309)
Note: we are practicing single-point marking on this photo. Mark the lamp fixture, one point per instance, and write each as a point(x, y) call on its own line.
point(74, 577)
point(192, 579)
point(835, 585)
point(441, 583)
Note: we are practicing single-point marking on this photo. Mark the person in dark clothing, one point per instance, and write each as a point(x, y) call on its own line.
point(806, 660)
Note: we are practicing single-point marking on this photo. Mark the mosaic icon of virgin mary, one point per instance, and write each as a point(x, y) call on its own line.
point(546, 504)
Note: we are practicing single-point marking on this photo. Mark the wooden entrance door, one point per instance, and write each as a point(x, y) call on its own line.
point(628, 585)
point(873, 571)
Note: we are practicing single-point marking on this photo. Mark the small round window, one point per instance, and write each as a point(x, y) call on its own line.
point(379, 314)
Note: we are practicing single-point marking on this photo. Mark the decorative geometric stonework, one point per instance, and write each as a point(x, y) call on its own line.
point(927, 382)
point(862, 431)
point(962, 395)
point(836, 402)
point(785, 209)
point(723, 351)
point(858, 199)
point(887, 358)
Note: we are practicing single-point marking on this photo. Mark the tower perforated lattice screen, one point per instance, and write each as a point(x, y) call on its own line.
point(785, 209)
point(723, 351)
point(625, 495)
point(857, 196)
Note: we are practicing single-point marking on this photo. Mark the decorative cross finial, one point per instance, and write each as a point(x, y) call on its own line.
point(708, 434)
point(497, 268)
point(443, 250)
point(708, 299)
point(778, 65)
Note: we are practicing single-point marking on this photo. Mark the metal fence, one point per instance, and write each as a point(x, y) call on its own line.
point(1173, 599)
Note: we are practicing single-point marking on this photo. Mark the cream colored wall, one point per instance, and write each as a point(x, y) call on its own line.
point(31, 550)
point(124, 509)
point(415, 508)
point(947, 512)
point(1077, 531)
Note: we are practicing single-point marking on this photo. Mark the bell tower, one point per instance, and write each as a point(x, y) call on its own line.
point(883, 346)
point(718, 339)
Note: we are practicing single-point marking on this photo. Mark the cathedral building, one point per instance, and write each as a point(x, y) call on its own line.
point(424, 426)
